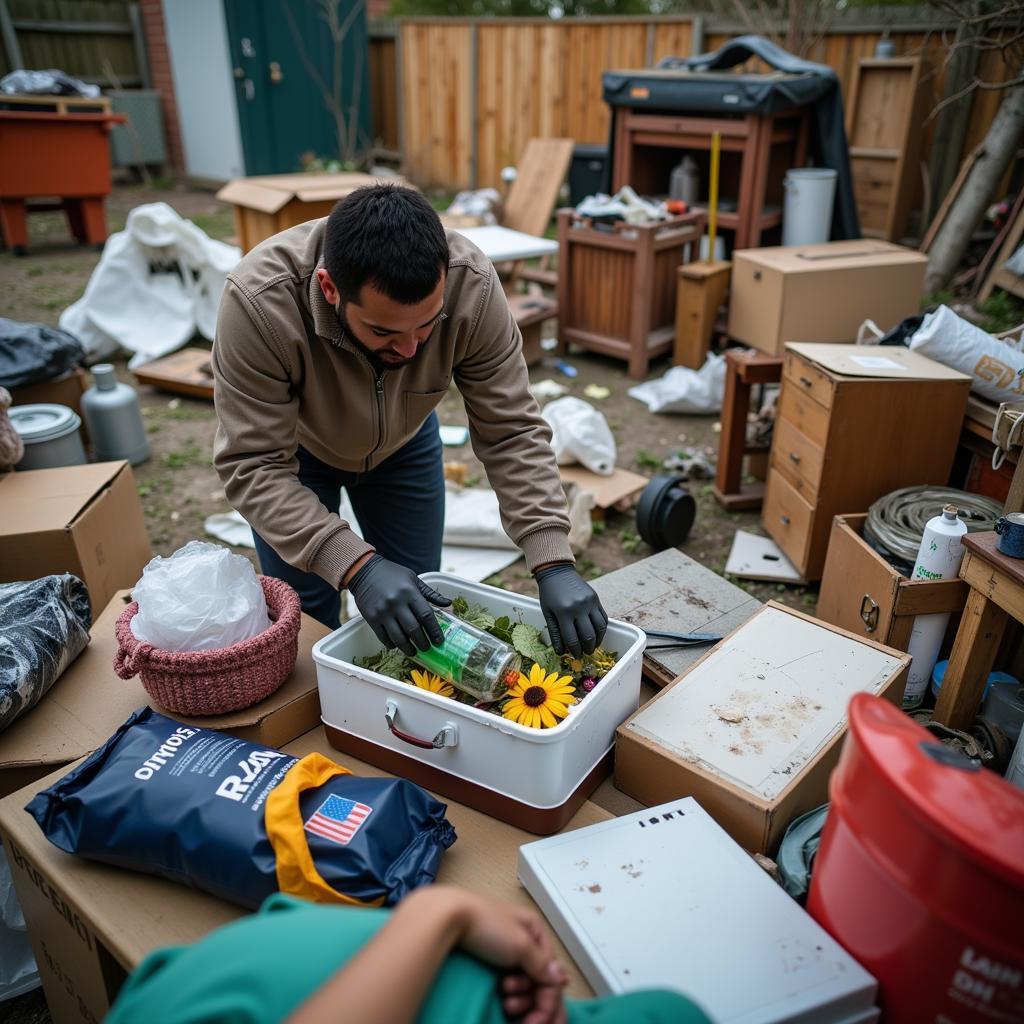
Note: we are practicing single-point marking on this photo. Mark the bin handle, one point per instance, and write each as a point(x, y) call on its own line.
point(447, 736)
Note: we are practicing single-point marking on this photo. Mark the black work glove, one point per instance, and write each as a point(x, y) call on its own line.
point(393, 600)
point(576, 621)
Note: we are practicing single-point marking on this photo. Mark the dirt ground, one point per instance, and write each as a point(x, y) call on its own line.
point(179, 487)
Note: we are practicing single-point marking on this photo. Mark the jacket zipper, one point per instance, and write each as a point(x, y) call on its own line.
point(379, 387)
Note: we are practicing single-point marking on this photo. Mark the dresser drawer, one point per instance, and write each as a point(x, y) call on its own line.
point(803, 413)
point(809, 379)
point(798, 459)
point(787, 518)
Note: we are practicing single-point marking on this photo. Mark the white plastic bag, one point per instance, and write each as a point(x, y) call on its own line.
point(201, 598)
point(684, 390)
point(18, 971)
point(579, 433)
point(997, 368)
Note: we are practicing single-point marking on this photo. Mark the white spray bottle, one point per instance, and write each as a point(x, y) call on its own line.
point(938, 558)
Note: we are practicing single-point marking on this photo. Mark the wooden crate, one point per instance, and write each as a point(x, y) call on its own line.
point(863, 593)
point(883, 126)
point(269, 203)
point(617, 285)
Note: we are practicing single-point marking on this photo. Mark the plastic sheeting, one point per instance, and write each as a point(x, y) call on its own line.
point(157, 284)
point(52, 82)
point(684, 390)
point(44, 626)
point(30, 353)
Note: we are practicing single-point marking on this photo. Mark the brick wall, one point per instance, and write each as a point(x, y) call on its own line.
point(163, 79)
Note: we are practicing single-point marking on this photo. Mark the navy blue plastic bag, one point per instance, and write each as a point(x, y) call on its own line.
point(243, 821)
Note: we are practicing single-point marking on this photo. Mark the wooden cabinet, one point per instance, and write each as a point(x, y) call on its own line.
point(842, 441)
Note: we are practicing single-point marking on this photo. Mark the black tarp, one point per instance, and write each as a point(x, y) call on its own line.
point(691, 84)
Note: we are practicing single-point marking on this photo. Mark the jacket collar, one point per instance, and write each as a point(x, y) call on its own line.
point(325, 317)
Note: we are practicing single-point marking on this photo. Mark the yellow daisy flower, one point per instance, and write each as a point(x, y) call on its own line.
point(435, 684)
point(540, 699)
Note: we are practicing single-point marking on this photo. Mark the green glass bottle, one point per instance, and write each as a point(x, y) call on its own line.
point(471, 660)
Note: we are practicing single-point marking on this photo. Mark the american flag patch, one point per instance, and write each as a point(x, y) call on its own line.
point(338, 819)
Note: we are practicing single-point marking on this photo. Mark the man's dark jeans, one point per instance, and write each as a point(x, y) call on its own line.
point(400, 508)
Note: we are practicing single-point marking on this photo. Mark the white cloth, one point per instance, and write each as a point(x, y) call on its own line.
point(156, 285)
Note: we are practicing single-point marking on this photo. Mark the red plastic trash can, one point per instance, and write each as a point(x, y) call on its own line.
point(920, 873)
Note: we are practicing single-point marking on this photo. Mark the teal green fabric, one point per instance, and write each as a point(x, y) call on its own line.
point(259, 969)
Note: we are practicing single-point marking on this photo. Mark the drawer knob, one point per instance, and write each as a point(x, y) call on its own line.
point(784, 520)
point(806, 381)
point(794, 456)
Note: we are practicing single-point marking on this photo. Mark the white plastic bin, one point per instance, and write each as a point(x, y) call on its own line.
point(810, 194)
point(534, 778)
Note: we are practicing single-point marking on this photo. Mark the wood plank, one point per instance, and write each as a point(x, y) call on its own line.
point(970, 661)
point(186, 372)
point(541, 170)
point(670, 591)
point(701, 291)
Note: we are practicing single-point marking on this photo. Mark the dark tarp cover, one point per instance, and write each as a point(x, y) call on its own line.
point(802, 83)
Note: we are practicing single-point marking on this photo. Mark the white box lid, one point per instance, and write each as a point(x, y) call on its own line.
point(765, 702)
point(664, 898)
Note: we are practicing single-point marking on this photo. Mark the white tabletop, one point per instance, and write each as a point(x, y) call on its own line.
point(500, 244)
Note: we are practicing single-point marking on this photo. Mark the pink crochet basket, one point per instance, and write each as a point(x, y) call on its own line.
point(221, 680)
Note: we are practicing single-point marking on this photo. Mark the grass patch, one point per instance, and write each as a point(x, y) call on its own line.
point(630, 540)
point(190, 454)
point(220, 224)
point(645, 460)
point(1001, 312)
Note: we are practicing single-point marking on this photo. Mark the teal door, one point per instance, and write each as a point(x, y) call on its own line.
point(301, 80)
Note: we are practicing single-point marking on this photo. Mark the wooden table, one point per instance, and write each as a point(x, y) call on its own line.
point(743, 369)
point(503, 245)
point(997, 594)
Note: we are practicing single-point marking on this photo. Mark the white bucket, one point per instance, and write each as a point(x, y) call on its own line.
point(810, 193)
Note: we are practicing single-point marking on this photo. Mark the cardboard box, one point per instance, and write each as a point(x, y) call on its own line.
point(821, 292)
point(268, 203)
point(91, 924)
point(865, 594)
point(86, 520)
point(66, 390)
point(88, 702)
point(753, 730)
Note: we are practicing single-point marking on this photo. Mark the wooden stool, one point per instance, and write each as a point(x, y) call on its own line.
point(743, 369)
point(997, 593)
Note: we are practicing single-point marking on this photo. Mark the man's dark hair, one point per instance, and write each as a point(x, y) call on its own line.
point(389, 237)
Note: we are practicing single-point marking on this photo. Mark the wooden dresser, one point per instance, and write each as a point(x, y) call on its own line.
point(853, 424)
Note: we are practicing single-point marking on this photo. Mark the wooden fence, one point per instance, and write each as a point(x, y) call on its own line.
point(468, 93)
point(85, 38)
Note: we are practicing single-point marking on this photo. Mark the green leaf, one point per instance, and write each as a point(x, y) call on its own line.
point(502, 629)
point(460, 607)
point(526, 640)
point(391, 663)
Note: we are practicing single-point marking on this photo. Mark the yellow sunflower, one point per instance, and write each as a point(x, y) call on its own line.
point(540, 699)
point(435, 684)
